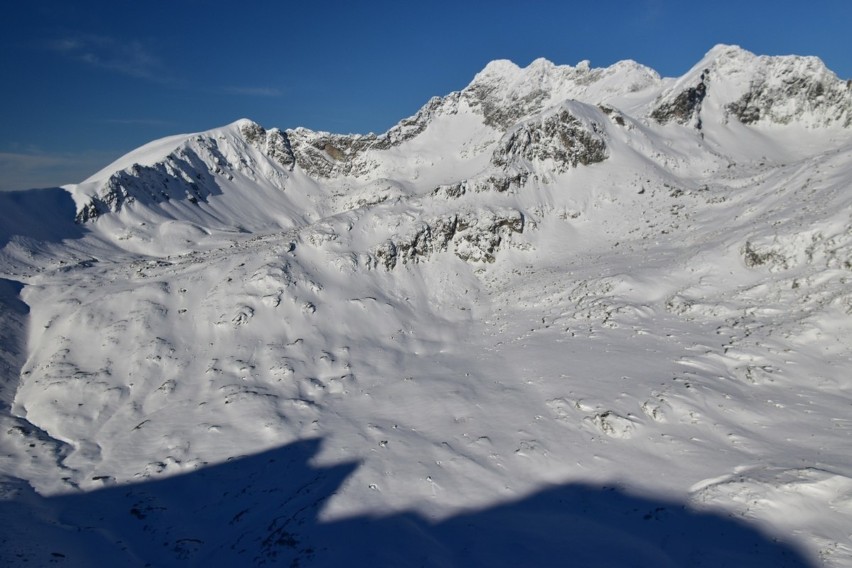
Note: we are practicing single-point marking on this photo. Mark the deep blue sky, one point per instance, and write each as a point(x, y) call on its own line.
point(84, 82)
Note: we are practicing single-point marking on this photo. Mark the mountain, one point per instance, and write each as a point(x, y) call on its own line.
point(565, 313)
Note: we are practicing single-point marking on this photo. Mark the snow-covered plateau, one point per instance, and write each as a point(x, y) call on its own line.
point(566, 316)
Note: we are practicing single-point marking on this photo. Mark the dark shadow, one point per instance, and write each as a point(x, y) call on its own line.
point(263, 510)
point(38, 214)
point(13, 339)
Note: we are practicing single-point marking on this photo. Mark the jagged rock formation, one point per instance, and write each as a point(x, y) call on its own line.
point(686, 107)
point(560, 139)
point(474, 236)
point(783, 96)
point(273, 143)
point(504, 94)
point(491, 182)
point(325, 155)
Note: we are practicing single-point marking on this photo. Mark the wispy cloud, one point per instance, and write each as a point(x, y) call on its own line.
point(24, 170)
point(254, 91)
point(652, 11)
point(137, 122)
point(129, 57)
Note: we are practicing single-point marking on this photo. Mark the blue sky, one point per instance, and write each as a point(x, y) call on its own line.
point(87, 81)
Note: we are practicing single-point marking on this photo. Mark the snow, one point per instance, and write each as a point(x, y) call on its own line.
point(638, 359)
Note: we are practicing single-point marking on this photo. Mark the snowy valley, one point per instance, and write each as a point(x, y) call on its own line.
point(564, 316)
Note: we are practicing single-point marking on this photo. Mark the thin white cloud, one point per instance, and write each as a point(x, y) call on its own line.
point(137, 121)
point(130, 57)
point(254, 91)
point(20, 170)
point(652, 11)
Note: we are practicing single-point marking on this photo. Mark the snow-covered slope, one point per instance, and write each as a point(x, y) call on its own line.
point(563, 314)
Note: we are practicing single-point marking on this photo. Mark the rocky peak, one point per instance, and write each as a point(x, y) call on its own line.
point(753, 89)
point(505, 94)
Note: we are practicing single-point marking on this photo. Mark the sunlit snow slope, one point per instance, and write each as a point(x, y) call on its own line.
point(565, 316)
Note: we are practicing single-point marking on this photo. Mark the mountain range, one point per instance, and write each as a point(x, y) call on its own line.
point(564, 316)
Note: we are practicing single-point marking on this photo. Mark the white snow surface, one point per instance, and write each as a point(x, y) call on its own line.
point(531, 325)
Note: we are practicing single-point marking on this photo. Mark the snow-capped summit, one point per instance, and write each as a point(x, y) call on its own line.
point(505, 93)
point(728, 84)
point(739, 85)
point(234, 176)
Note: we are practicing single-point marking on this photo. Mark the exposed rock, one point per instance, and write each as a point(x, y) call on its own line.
point(273, 143)
point(479, 235)
point(613, 424)
point(559, 136)
point(505, 94)
point(785, 251)
point(614, 115)
point(324, 155)
point(474, 236)
point(497, 113)
point(827, 99)
point(686, 106)
point(754, 257)
point(498, 183)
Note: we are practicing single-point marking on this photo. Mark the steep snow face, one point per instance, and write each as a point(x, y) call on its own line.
point(187, 168)
point(561, 301)
point(227, 180)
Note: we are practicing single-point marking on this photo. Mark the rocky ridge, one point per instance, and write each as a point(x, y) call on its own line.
point(517, 110)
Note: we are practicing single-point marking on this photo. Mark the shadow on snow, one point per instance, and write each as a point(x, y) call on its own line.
point(263, 510)
point(38, 214)
point(13, 316)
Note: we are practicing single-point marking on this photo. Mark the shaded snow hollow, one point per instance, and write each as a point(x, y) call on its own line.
point(565, 314)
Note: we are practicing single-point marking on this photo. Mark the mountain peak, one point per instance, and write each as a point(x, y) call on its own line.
point(749, 88)
point(725, 49)
point(242, 123)
point(497, 69)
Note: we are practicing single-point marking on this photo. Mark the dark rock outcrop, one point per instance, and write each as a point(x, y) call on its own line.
point(828, 101)
point(559, 136)
point(686, 106)
point(474, 236)
point(273, 143)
